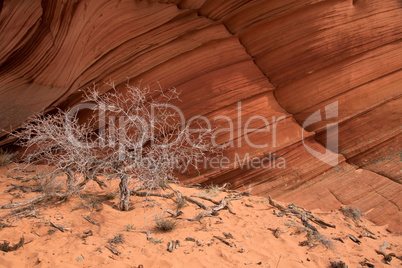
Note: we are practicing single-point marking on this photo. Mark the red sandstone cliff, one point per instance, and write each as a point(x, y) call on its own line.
point(283, 59)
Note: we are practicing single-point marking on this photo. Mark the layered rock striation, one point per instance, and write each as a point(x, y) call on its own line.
point(275, 62)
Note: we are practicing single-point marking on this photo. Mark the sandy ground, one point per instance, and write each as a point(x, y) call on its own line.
point(252, 228)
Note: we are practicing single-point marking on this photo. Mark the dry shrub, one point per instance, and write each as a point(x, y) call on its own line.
point(352, 212)
point(165, 224)
point(117, 239)
point(315, 239)
point(141, 139)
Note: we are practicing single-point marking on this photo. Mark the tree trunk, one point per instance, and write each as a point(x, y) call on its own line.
point(124, 193)
point(70, 179)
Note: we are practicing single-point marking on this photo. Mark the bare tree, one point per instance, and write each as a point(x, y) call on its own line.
point(150, 140)
point(134, 135)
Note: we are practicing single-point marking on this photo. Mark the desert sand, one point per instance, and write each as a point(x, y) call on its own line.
point(244, 238)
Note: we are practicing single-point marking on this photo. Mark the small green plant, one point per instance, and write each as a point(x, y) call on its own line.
point(5, 157)
point(117, 239)
point(130, 227)
point(165, 224)
point(352, 212)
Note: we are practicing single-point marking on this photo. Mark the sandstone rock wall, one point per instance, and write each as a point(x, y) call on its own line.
point(280, 59)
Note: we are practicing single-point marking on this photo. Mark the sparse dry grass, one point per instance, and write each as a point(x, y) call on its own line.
point(214, 190)
point(130, 227)
point(93, 202)
point(316, 239)
point(165, 224)
point(352, 212)
point(5, 157)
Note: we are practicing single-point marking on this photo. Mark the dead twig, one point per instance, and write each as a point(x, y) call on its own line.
point(195, 186)
point(5, 246)
point(95, 179)
point(90, 220)
point(212, 212)
point(224, 205)
point(387, 257)
point(228, 235)
point(145, 194)
point(367, 230)
point(338, 239)
point(223, 240)
point(148, 234)
point(277, 232)
point(379, 252)
point(189, 238)
point(29, 211)
point(368, 235)
point(305, 222)
point(180, 200)
point(354, 239)
point(242, 193)
point(60, 227)
point(86, 234)
point(301, 213)
point(321, 222)
point(112, 249)
point(4, 225)
point(22, 188)
point(174, 214)
point(35, 233)
point(24, 170)
point(278, 206)
point(207, 198)
point(198, 203)
point(338, 264)
point(278, 214)
point(36, 199)
point(203, 214)
point(172, 245)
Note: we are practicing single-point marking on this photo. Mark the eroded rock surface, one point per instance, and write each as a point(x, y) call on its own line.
point(283, 60)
